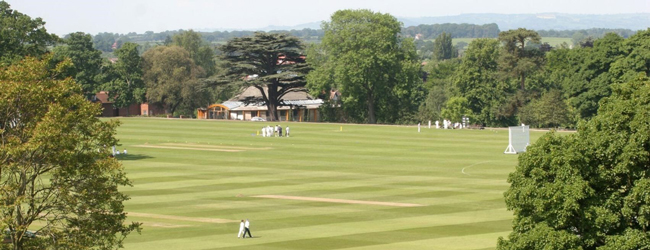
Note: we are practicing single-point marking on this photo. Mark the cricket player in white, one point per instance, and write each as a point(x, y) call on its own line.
point(241, 229)
point(247, 225)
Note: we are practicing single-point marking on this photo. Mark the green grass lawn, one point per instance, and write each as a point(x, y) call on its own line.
point(193, 180)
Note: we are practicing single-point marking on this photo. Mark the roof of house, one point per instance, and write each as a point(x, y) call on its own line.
point(102, 97)
point(252, 92)
point(294, 98)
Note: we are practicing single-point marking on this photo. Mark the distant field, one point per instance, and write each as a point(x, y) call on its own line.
point(365, 187)
point(553, 41)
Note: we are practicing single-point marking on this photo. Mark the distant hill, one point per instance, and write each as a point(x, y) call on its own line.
point(461, 26)
point(544, 21)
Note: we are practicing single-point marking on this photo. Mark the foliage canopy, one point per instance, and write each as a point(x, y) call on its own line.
point(56, 172)
point(171, 78)
point(123, 79)
point(376, 72)
point(587, 190)
point(87, 61)
point(272, 63)
point(21, 36)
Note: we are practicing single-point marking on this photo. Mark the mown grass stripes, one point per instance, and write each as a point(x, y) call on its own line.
point(182, 188)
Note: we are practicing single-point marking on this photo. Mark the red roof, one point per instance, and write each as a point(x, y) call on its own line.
point(282, 61)
point(102, 97)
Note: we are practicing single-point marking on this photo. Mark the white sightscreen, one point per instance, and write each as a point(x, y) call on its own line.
point(519, 139)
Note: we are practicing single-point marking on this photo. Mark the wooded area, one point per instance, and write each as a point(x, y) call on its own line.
point(515, 78)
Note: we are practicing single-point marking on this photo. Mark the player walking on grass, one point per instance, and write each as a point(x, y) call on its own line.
point(241, 229)
point(247, 229)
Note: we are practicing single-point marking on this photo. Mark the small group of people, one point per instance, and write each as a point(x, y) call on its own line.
point(447, 124)
point(274, 131)
point(117, 151)
point(244, 227)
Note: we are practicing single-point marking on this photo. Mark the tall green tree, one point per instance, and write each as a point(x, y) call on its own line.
point(476, 79)
point(517, 60)
point(443, 48)
point(548, 111)
point(407, 89)
point(104, 41)
point(200, 51)
point(21, 36)
point(439, 85)
point(57, 177)
point(584, 73)
point(587, 190)
point(272, 63)
point(87, 61)
point(171, 78)
point(455, 109)
point(123, 79)
point(366, 61)
point(637, 56)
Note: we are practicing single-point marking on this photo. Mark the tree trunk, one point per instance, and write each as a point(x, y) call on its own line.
point(523, 81)
point(17, 241)
point(18, 245)
point(173, 108)
point(371, 109)
point(273, 110)
point(272, 101)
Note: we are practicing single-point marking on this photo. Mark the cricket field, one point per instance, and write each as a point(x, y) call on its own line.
point(328, 186)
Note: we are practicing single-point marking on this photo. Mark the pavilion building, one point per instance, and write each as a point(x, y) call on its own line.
point(295, 106)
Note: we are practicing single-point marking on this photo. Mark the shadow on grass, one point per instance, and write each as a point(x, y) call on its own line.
point(132, 157)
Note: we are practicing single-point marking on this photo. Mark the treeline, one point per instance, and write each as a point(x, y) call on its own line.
point(105, 41)
point(430, 31)
point(495, 82)
point(501, 82)
point(222, 36)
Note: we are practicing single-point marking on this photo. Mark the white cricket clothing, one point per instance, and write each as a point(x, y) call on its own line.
point(241, 229)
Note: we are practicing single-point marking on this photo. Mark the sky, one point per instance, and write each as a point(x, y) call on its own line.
point(124, 16)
